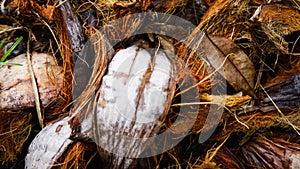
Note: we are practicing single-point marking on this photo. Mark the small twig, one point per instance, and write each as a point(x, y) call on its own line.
point(10, 29)
point(34, 85)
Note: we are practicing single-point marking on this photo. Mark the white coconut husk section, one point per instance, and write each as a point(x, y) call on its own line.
point(48, 145)
point(134, 99)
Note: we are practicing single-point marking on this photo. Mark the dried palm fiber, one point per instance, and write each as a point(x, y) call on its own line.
point(257, 121)
point(284, 19)
point(282, 93)
point(218, 157)
point(79, 155)
point(15, 128)
point(67, 50)
point(232, 102)
point(111, 10)
point(226, 18)
point(67, 61)
point(107, 10)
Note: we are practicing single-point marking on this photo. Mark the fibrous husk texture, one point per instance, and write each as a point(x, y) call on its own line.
point(15, 128)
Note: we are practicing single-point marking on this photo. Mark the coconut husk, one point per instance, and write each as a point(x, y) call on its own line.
point(15, 128)
point(79, 155)
point(259, 40)
point(231, 19)
point(16, 85)
point(226, 18)
point(270, 153)
point(282, 90)
point(275, 17)
point(257, 121)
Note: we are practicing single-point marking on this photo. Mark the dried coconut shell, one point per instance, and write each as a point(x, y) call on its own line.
point(16, 85)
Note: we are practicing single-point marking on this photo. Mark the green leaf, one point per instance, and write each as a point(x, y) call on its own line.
point(11, 49)
point(10, 64)
point(2, 42)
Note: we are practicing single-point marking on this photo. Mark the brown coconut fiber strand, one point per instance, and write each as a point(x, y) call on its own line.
point(14, 132)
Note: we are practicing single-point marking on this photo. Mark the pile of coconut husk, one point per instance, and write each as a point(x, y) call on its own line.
point(256, 41)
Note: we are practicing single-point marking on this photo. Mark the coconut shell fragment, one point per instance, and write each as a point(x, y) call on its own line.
point(16, 90)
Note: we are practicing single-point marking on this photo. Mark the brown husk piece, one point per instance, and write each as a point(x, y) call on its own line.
point(256, 121)
point(262, 152)
point(231, 19)
point(283, 19)
point(226, 159)
point(29, 7)
point(283, 90)
point(238, 68)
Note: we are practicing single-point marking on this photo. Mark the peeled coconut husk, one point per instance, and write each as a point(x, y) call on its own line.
point(16, 86)
point(17, 91)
